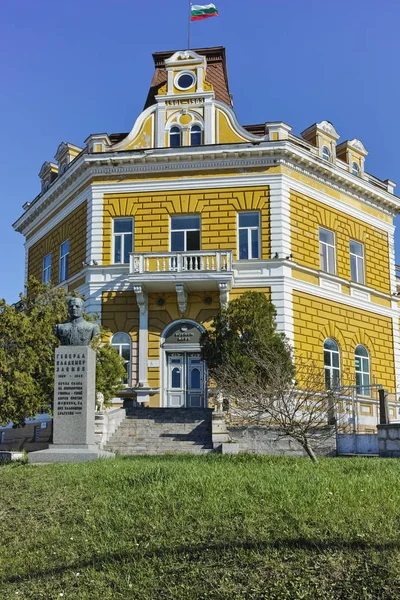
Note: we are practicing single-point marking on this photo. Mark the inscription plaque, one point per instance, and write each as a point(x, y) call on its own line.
point(74, 395)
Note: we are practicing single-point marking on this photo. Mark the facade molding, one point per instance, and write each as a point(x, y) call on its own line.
point(242, 155)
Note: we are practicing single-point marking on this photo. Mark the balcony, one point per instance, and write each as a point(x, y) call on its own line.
point(200, 269)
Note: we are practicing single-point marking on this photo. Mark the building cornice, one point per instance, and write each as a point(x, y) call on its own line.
point(213, 157)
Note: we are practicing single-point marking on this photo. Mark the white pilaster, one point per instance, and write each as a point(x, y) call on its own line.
point(94, 230)
point(223, 294)
point(392, 263)
point(396, 350)
point(141, 298)
point(160, 125)
point(280, 218)
point(282, 299)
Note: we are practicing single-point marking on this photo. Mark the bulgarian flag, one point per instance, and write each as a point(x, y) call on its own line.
point(197, 12)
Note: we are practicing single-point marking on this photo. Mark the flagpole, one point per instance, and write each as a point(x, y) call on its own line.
point(190, 5)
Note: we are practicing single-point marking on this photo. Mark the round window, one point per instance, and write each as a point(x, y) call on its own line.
point(185, 81)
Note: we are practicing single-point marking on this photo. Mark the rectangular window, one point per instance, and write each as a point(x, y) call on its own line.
point(64, 260)
point(36, 432)
point(357, 262)
point(46, 272)
point(327, 250)
point(122, 240)
point(2, 437)
point(185, 234)
point(249, 235)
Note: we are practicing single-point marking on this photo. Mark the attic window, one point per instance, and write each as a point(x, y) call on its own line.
point(175, 136)
point(326, 153)
point(185, 80)
point(195, 135)
point(355, 169)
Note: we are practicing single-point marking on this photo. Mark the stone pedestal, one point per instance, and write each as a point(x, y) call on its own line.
point(74, 409)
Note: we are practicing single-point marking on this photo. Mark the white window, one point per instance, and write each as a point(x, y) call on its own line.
point(46, 272)
point(122, 343)
point(357, 262)
point(331, 364)
point(361, 359)
point(122, 240)
point(326, 153)
point(185, 233)
point(175, 137)
point(195, 135)
point(64, 260)
point(327, 250)
point(249, 235)
point(355, 169)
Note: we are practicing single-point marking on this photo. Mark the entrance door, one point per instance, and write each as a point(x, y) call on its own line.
point(186, 382)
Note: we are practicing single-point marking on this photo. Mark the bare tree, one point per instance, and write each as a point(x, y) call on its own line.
point(302, 408)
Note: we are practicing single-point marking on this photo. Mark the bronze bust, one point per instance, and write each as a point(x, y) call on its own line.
point(77, 331)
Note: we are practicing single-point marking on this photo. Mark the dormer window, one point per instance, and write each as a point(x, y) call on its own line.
point(326, 153)
point(185, 81)
point(175, 137)
point(196, 135)
point(355, 169)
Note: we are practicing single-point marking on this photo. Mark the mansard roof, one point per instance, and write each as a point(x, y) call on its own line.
point(217, 73)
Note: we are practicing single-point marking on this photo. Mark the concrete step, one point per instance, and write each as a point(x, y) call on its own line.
point(163, 431)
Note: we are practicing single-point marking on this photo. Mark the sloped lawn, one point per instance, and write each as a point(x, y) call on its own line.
point(213, 527)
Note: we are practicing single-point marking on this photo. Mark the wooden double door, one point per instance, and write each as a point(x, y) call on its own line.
point(186, 380)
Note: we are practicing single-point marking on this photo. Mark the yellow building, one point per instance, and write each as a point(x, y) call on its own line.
point(161, 226)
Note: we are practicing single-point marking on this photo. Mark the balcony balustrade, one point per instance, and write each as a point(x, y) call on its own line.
point(215, 261)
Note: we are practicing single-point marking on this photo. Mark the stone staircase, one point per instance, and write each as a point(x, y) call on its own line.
point(163, 431)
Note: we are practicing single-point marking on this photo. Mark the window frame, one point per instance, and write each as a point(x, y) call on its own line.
point(331, 368)
point(198, 216)
point(46, 270)
point(355, 169)
point(249, 230)
point(358, 259)
point(364, 374)
point(128, 362)
point(170, 133)
point(199, 132)
point(327, 245)
point(326, 156)
point(122, 235)
point(64, 262)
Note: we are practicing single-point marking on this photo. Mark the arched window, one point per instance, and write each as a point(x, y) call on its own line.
point(175, 137)
point(355, 169)
point(195, 135)
point(361, 361)
point(326, 153)
point(331, 364)
point(122, 343)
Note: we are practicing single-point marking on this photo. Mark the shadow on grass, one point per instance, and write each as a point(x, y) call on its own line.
point(193, 553)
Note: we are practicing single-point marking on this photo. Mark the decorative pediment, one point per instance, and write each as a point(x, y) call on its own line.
point(358, 146)
point(188, 56)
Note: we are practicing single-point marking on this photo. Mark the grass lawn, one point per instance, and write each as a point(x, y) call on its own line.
point(209, 527)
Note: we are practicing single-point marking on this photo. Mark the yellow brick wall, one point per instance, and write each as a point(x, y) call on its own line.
point(73, 227)
point(316, 319)
point(306, 217)
point(120, 312)
point(218, 210)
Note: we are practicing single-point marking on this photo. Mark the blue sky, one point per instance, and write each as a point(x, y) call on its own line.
point(71, 69)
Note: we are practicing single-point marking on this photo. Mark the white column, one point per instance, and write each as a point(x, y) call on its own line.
point(141, 298)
